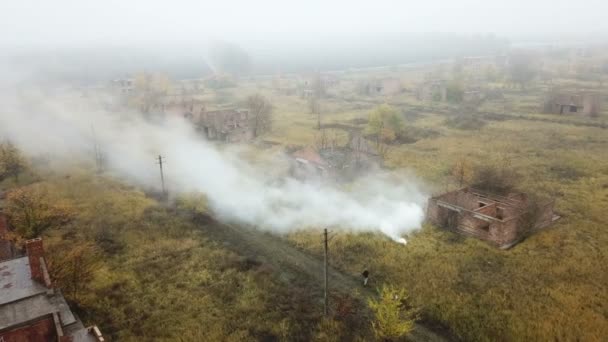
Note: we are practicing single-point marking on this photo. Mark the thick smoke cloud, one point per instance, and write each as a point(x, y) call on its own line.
point(56, 125)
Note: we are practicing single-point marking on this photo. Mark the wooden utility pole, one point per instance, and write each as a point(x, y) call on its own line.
point(326, 298)
point(162, 176)
point(98, 154)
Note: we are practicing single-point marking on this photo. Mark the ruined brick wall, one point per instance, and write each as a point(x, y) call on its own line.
point(463, 199)
point(39, 331)
point(35, 251)
point(433, 212)
point(503, 233)
point(591, 105)
point(489, 210)
point(472, 226)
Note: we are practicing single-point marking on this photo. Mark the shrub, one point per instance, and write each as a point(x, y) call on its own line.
point(394, 318)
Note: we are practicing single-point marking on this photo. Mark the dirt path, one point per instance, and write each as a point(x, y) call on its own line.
point(296, 265)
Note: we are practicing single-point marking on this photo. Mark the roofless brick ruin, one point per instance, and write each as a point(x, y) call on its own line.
point(501, 220)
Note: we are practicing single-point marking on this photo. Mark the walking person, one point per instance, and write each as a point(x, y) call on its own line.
point(365, 275)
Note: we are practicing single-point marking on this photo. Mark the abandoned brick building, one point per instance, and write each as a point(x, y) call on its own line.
point(501, 220)
point(31, 309)
point(572, 103)
point(123, 85)
point(385, 86)
point(229, 125)
point(433, 90)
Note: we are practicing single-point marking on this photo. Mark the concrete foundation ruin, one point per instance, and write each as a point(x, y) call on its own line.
point(572, 103)
point(500, 220)
point(229, 125)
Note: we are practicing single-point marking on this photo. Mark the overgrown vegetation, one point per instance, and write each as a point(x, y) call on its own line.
point(146, 272)
point(12, 163)
point(394, 318)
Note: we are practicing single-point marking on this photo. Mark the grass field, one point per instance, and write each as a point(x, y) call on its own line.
point(552, 286)
point(159, 274)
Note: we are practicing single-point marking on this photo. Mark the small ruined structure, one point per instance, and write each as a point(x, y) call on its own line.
point(433, 90)
point(477, 66)
point(176, 105)
point(570, 103)
point(123, 85)
point(473, 95)
point(307, 163)
point(229, 125)
point(340, 163)
point(385, 86)
point(31, 309)
point(501, 220)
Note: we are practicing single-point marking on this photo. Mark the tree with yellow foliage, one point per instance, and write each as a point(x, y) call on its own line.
point(32, 211)
point(462, 172)
point(149, 88)
point(384, 124)
point(394, 318)
point(72, 266)
point(12, 163)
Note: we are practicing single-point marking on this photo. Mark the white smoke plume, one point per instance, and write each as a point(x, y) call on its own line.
point(51, 124)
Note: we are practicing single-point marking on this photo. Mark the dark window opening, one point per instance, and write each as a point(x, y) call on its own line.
point(481, 204)
point(573, 109)
point(485, 227)
point(499, 214)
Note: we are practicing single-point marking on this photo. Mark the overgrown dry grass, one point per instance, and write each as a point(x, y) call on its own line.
point(552, 286)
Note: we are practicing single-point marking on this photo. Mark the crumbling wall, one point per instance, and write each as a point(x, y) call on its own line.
point(473, 226)
point(489, 210)
point(462, 199)
point(40, 331)
point(504, 233)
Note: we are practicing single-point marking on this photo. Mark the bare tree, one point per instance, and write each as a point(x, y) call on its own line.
point(260, 110)
point(322, 140)
point(462, 172)
point(318, 92)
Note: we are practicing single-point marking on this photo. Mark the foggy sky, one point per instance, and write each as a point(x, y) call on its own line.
point(88, 22)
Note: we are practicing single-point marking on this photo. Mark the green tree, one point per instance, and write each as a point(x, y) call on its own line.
point(385, 124)
point(394, 318)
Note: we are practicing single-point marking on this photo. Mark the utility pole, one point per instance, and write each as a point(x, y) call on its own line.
point(326, 299)
point(98, 154)
point(162, 177)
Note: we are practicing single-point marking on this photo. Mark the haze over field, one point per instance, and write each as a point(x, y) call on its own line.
point(99, 40)
point(237, 191)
